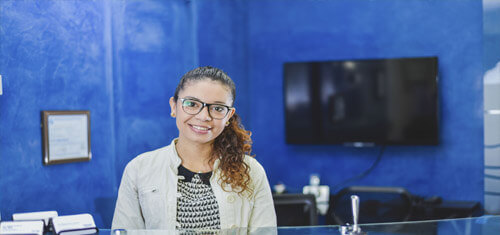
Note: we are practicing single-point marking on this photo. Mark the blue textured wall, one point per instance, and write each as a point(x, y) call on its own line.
point(119, 59)
point(294, 30)
point(122, 60)
point(153, 47)
point(491, 34)
point(222, 28)
point(53, 57)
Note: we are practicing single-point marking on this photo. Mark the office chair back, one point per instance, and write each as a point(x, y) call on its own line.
point(295, 209)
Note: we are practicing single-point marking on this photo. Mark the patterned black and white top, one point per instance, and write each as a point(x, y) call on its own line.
point(197, 206)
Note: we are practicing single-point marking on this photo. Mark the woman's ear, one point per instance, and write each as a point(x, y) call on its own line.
point(173, 106)
point(231, 113)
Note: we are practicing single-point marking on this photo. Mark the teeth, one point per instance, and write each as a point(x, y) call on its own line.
point(200, 128)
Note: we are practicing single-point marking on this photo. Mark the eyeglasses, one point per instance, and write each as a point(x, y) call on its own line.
point(193, 107)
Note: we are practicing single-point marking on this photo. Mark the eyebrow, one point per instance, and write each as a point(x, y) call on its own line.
point(215, 102)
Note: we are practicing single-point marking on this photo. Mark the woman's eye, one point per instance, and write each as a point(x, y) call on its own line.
point(219, 109)
point(190, 103)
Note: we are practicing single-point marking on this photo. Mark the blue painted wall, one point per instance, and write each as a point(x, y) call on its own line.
point(491, 34)
point(122, 60)
point(119, 59)
point(282, 31)
point(222, 41)
point(153, 46)
point(54, 56)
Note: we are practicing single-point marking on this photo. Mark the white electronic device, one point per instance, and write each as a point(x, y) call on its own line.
point(321, 193)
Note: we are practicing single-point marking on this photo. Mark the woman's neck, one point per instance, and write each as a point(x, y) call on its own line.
point(195, 157)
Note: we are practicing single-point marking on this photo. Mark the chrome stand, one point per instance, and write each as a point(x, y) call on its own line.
point(354, 229)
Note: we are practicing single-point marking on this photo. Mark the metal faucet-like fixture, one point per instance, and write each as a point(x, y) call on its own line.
point(119, 232)
point(354, 229)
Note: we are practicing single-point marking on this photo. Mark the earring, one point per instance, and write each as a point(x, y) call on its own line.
point(227, 123)
point(172, 114)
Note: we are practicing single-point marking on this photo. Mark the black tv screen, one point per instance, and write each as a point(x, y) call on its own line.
point(368, 101)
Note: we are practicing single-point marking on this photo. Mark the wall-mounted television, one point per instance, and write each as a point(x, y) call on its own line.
point(390, 101)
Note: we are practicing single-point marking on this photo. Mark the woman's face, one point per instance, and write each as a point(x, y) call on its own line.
point(201, 128)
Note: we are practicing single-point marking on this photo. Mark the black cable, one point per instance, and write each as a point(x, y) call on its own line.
point(362, 174)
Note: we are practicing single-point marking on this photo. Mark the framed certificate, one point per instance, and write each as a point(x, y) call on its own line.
point(66, 136)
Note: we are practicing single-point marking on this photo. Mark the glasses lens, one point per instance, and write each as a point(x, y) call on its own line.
point(191, 106)
point(218, 111)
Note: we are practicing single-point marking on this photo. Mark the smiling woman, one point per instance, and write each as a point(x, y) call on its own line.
point(205, 179)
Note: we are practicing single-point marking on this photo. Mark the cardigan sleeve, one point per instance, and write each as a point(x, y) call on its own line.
point(263, 213)
point(128, 213)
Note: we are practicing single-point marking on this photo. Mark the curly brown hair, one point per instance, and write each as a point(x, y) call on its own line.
point(231, 146)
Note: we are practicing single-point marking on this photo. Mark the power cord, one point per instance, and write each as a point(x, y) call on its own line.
point(362, 174)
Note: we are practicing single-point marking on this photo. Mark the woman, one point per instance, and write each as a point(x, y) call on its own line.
point(205, 179)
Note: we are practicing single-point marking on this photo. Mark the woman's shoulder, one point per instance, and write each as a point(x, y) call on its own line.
point(250, 160)
point(151, 158)
point(254, 165)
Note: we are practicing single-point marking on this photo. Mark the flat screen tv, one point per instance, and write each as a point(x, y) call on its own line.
point(391, 101)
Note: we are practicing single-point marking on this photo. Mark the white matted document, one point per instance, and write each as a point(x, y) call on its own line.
point(74, 224)
point(1, 90)
point(21, 227)
point(66, 136)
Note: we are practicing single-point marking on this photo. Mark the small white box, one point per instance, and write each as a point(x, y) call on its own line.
point(40, 215)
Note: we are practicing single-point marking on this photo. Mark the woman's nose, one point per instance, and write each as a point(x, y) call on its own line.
point(204, 114)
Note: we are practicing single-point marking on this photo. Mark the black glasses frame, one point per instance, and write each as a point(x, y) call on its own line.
point(203, 106)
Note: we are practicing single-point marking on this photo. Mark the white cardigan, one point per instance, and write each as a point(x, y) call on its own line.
point(147, 198)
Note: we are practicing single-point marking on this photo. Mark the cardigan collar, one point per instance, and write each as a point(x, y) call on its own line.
point(175, 160)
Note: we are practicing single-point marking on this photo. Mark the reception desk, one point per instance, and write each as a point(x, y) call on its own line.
point(485, 225)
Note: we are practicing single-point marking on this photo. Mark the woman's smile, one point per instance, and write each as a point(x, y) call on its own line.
point(200, 129)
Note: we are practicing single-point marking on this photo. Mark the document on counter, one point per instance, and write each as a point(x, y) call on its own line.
point(21, 227)
point(74, 224)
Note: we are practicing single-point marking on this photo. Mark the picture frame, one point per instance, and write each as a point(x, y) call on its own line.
point(66, 136)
